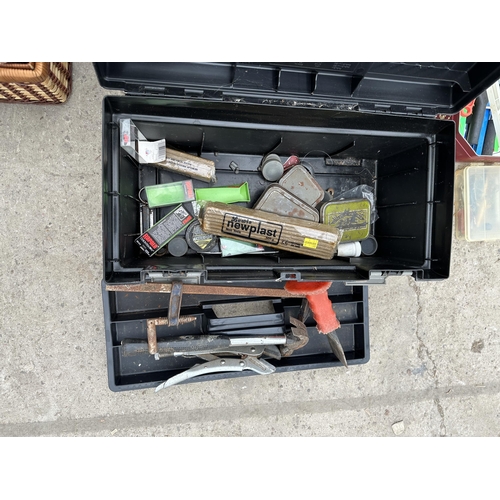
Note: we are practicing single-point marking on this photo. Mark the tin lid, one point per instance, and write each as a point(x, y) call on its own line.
point(272, 168)
point(302, 184)
point(277, 200)
point(416, 88)
point(369, 246)
point(177, 247)
point(198, 240)
point(352, 216)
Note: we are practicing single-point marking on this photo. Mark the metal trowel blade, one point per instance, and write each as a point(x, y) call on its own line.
point(337, 348)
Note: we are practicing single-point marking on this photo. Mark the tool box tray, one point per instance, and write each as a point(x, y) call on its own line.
point(126, 315)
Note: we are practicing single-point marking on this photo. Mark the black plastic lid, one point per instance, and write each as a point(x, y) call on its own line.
point(410, 88)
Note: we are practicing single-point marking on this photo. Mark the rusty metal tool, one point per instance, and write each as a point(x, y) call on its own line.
point(204, 343)
point(174, 308)
point(297, 339)
point(215, 364)
point(336, 346)
point(151, 330)
point(174, 318)
point(204, 290)
point(299, 336)
point(326, 319)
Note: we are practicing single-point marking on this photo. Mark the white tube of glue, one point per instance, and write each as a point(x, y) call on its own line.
point(350, 249)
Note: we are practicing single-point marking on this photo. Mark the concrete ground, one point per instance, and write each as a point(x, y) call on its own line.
point(434, 359)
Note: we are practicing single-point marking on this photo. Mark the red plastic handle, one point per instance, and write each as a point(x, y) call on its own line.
point(467, 111)
point(320, 304)
point(323, 313)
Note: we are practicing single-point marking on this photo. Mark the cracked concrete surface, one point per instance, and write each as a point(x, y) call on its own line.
point(434, 358)
point(425, 355)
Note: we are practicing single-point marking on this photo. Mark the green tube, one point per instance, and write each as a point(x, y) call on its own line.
point(173, 193)
point(226, 194)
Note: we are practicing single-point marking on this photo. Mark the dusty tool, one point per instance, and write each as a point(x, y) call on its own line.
point(336, 346)
point(299, 336)
point(213, 347)
point(326, 320)
point(204, 290)
point(270, 351)
point(151, 330)
point(203, 343)
point(295, 340)
point(215, 364)
point(174, 307)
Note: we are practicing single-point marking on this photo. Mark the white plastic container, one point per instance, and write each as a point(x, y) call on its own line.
point(477, 202)
point(349, 249)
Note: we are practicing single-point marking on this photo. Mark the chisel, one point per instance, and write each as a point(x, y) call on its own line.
point(326, 319)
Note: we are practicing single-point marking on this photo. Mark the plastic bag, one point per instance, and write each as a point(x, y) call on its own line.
point(361, 191)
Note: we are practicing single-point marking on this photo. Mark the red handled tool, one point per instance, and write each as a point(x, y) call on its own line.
point(326, 320)
point(467, 111)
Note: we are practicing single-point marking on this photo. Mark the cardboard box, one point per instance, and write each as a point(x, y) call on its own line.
point(275, 231)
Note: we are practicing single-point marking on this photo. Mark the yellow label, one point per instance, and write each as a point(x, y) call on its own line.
point(310, 243)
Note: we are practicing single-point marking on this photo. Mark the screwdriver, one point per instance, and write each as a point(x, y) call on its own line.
point(326, 319)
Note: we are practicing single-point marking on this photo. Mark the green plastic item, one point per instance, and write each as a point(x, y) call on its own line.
point(173, 193)
point(462, 121)
point(226, 194)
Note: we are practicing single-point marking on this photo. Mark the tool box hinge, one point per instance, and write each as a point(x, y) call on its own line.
point(399, 110)
point(193, 278)
point(152, 90)
point(194, 93)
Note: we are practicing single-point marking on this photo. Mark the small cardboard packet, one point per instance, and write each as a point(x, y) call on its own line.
point(188, 165)
point(275, 231)
point(157, 236)
point(133, 141)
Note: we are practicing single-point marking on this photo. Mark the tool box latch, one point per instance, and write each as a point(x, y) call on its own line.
point(289, 275)
point(193, 278)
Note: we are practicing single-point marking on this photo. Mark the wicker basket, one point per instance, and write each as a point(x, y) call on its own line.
point(35, 82)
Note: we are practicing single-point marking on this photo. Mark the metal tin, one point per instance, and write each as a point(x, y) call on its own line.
point(352, 216)
point(369, 246)
point(302, 184)
point(277, 200)
point(177, 247)
point(272, 168)
point(198, 240)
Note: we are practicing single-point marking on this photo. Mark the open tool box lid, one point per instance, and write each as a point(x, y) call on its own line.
point(424, 89)
point(373, 121)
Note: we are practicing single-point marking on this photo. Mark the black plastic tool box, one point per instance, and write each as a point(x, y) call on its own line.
point(352, 123)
